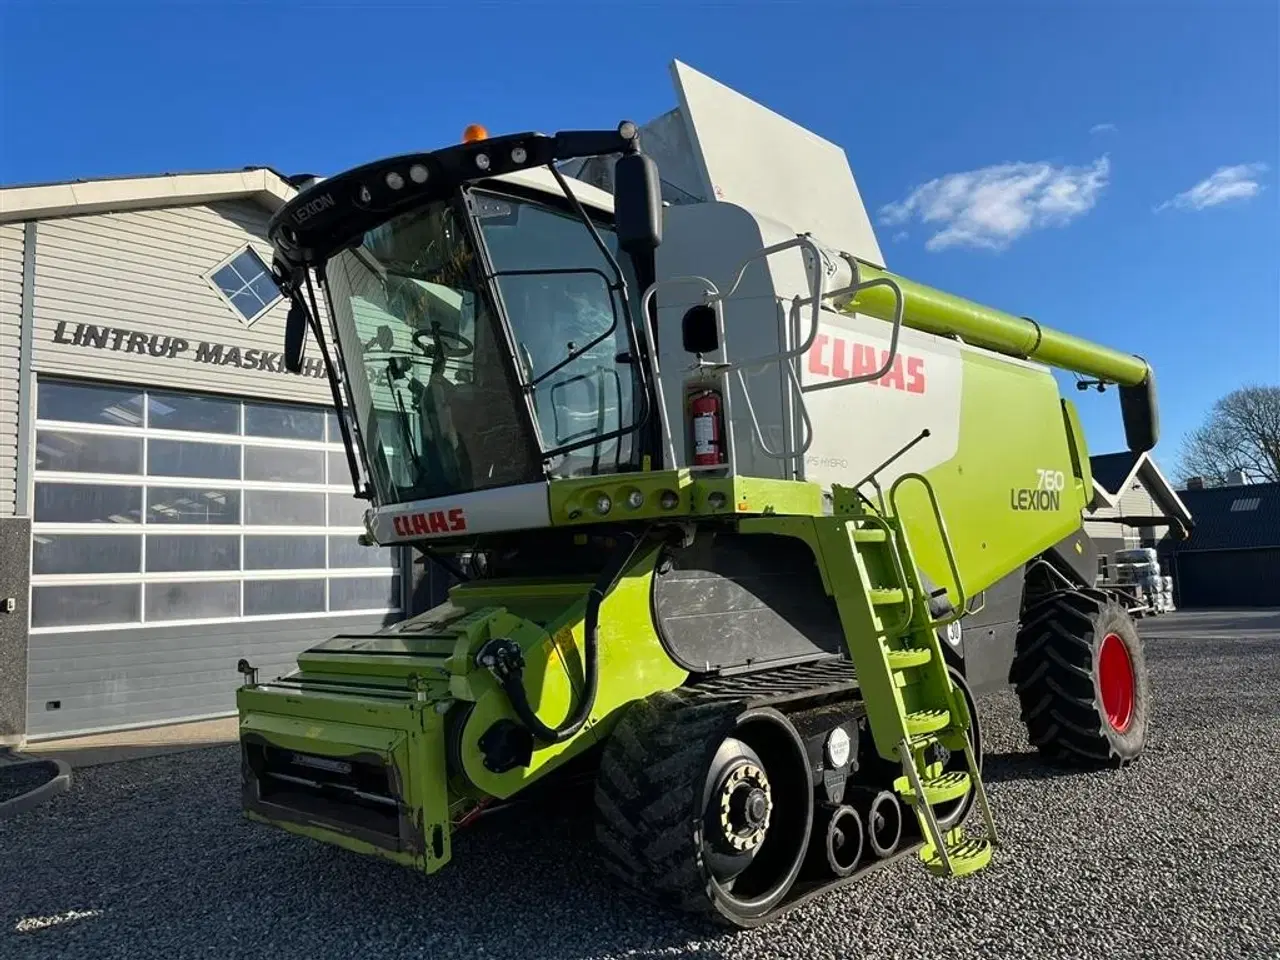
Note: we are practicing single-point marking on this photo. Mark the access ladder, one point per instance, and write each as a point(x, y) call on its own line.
point(912, 705)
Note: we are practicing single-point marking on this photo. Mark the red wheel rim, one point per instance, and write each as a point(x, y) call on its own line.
point(1115, 678)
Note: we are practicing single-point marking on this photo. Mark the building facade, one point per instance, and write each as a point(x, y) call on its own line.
point(1232, 558)
point(171, 499)
point(1133, 506)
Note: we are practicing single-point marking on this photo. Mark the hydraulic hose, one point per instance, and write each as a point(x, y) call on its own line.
point(503, 657)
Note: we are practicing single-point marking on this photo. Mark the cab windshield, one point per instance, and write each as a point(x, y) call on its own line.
point(442, 401)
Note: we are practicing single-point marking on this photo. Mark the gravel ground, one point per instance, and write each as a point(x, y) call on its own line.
point(1178, 856)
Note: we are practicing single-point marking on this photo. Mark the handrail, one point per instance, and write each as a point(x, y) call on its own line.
point(908, 595)
point(958, 608)
point(899, 310)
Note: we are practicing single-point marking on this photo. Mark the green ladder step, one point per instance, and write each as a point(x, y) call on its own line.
point(906, 659)
point(886, 596)
point(927, 721)
point(940, 789)
point(967, 855)
point(870, 535)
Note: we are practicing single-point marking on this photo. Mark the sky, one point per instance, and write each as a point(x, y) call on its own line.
point(1111, 169)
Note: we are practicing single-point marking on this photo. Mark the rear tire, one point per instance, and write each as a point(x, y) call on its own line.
point(675, 778)
point(1081, 677)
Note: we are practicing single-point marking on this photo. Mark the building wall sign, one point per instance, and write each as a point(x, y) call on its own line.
point(167, 347)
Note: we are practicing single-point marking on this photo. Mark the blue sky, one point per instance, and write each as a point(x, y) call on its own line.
point(1108, 168)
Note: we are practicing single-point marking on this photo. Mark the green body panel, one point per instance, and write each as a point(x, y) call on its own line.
point(995, 494)
point(406, 736)
point(946, 314)
point(423, 670)
point(573, 502)
point(632, 664)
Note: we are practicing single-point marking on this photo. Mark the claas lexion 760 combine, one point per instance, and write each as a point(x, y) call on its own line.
point(739, 520)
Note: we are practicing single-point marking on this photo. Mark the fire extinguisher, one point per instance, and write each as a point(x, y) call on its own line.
point(708, 431)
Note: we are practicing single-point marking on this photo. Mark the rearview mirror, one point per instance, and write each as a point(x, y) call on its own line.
point(699, 330)
point(637, 203)
point(295, 337)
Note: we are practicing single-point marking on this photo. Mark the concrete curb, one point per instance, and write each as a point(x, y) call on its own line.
point(59, 782)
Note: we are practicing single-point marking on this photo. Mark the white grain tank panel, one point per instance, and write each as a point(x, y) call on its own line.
point(711, 240)
point(141, 274)
point(11, 241)
point(760, 159)
point(856, 427)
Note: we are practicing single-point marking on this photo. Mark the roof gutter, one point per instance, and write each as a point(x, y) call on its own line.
point(76, 199)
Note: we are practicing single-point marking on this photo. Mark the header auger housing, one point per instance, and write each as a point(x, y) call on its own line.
point(740, 520)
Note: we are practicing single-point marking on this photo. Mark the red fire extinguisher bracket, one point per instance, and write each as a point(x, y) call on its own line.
point(707, 427)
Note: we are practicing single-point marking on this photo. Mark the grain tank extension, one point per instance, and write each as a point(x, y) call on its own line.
point(740, 519)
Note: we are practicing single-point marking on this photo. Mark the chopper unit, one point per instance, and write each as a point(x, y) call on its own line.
point(740, 520)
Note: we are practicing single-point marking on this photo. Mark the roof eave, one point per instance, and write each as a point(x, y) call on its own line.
point(48, 201)
point(1163, 492)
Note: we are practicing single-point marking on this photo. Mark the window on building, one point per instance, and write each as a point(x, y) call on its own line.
point(246, 284)
point(159, 507)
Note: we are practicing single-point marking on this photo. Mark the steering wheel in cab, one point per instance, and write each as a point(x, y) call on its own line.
point(435, 342)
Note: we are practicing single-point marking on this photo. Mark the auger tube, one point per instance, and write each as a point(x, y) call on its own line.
point(941, 313)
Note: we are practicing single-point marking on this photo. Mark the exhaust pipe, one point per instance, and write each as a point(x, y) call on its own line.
point(882, 815)
point(837, 841)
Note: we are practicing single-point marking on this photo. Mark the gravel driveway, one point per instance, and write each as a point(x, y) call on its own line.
point(1176, 857)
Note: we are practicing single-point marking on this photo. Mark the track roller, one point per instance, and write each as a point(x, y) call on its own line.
point(836, 845)
point(882, 819)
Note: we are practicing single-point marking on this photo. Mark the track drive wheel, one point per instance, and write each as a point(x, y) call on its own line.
point(1080, 674)
point(707, 808)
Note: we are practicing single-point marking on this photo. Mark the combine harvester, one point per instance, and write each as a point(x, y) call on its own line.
point(741, 520)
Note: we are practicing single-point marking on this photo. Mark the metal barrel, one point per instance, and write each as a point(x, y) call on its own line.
point(941, 313)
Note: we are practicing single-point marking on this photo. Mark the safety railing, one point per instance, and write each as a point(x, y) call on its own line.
point(793, 390)
point(958, 609)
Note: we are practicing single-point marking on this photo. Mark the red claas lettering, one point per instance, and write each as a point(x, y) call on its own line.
point(841, 358)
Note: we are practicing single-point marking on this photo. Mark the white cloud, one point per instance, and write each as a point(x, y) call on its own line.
point(991, 207)
point(1103, 128)
point(1239, 182)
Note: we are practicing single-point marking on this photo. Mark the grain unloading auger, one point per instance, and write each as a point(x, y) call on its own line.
point(740, 521)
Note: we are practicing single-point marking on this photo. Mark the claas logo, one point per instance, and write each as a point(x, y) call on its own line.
point(429, 522)
point(840, 358)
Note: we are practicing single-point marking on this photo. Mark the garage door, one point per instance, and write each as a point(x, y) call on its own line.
point(175, 533)
point(1229, 578)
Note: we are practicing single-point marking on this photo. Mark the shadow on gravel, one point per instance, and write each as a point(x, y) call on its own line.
point(1022, 766)
point(164, 866)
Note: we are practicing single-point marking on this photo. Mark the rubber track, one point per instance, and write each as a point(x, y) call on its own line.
point(644, 797)
point(1052, 673)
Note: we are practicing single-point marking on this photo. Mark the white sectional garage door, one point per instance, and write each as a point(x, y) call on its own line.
point(175, 533)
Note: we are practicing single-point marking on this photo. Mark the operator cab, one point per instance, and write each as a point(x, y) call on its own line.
point(483, 311)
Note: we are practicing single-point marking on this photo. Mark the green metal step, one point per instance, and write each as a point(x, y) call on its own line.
point(906, 659)
point(886, 596)
point(870, 535)
point(967, 855)
point(927, 721)
point(940, 789)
